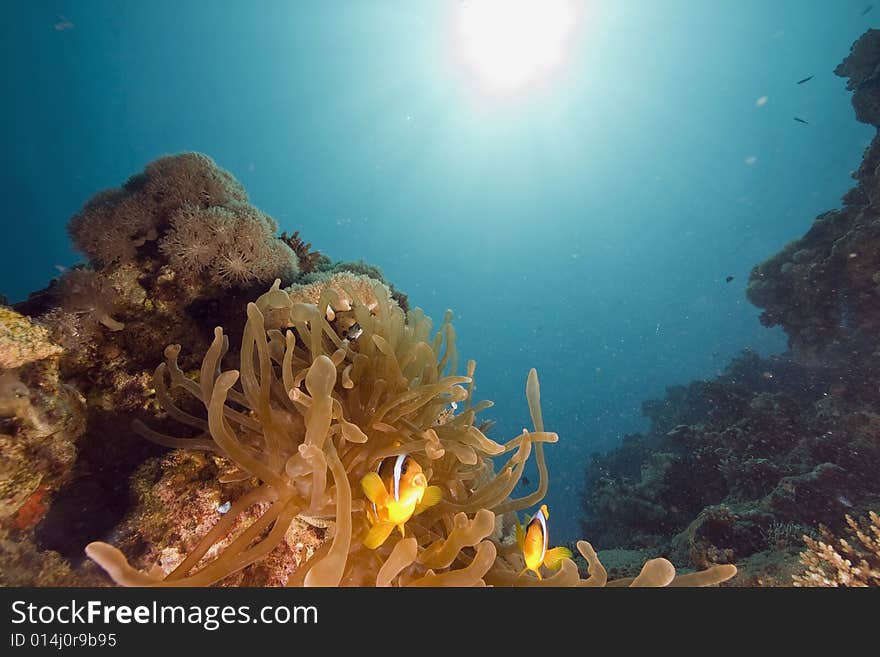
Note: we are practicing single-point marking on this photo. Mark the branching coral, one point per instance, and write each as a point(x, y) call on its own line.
point(852, 561)
point(314, 407)
point(309, 261)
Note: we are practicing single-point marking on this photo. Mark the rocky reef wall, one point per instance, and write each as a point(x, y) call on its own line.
point(738, 469)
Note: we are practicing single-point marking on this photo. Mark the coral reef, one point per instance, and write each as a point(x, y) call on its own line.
point(333, 374)
point(727, 464)
point(738, 468)
point(175, 244)
point(309, 413)
point(40, 418)
point(851, 561)
point(824, 288)
point(180, 497)
point(41, 422)
point(22, 341)
point(860, 69)
point(172, 251)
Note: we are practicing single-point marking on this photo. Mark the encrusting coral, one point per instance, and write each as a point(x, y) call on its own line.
point(333, 379)
point(22, 341)
point(41, 423)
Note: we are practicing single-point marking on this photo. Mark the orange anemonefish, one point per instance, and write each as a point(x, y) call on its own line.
point(398, 489)
point(533, 542)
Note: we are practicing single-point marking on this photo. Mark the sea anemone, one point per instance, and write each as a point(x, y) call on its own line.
point(310, 411)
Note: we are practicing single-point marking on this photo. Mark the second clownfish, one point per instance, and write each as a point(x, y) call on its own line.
point(532, 541)
point(397, 490)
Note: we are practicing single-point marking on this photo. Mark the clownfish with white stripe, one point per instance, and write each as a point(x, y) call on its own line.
point(397, 490)
point(532, 541)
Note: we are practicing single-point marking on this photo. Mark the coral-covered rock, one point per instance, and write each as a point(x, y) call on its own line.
point(824, 288)
point(773, 447)
point(174, 252)
point(42, 420)
point(116, 225)
point(22, 341)
point(185, 212)
point(860, 67)
point(180, 497)
point(811, 497)
point(766, 448)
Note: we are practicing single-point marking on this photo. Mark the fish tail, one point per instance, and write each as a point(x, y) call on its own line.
point(377, 535)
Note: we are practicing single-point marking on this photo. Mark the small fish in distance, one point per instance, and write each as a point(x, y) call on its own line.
point(63, 24)
point(728, 279)
point(806, 79)
point(867, 9)
point(799, 120)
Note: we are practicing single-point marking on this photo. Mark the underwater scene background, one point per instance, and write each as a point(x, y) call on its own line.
point(619, 222)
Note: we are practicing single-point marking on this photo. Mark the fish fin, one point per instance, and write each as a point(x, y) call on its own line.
point(546, 512)
point(371, 513)
point(378, 534)
point(523, 571)
point(431, 497)
point(553, 558)
point(402, 531)
point(374, 488)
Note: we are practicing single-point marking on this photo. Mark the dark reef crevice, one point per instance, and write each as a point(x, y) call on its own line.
point(98, 495)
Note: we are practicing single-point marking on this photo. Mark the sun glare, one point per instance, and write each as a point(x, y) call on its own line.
point(510, 43)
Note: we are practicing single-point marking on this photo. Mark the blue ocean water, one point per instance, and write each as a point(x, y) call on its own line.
point(585, 227)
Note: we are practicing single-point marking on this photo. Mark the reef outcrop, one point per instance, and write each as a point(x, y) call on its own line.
point(168, 413)
point(824, 288)
point(742, 467)
point(42, 420)
point(175, 250)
